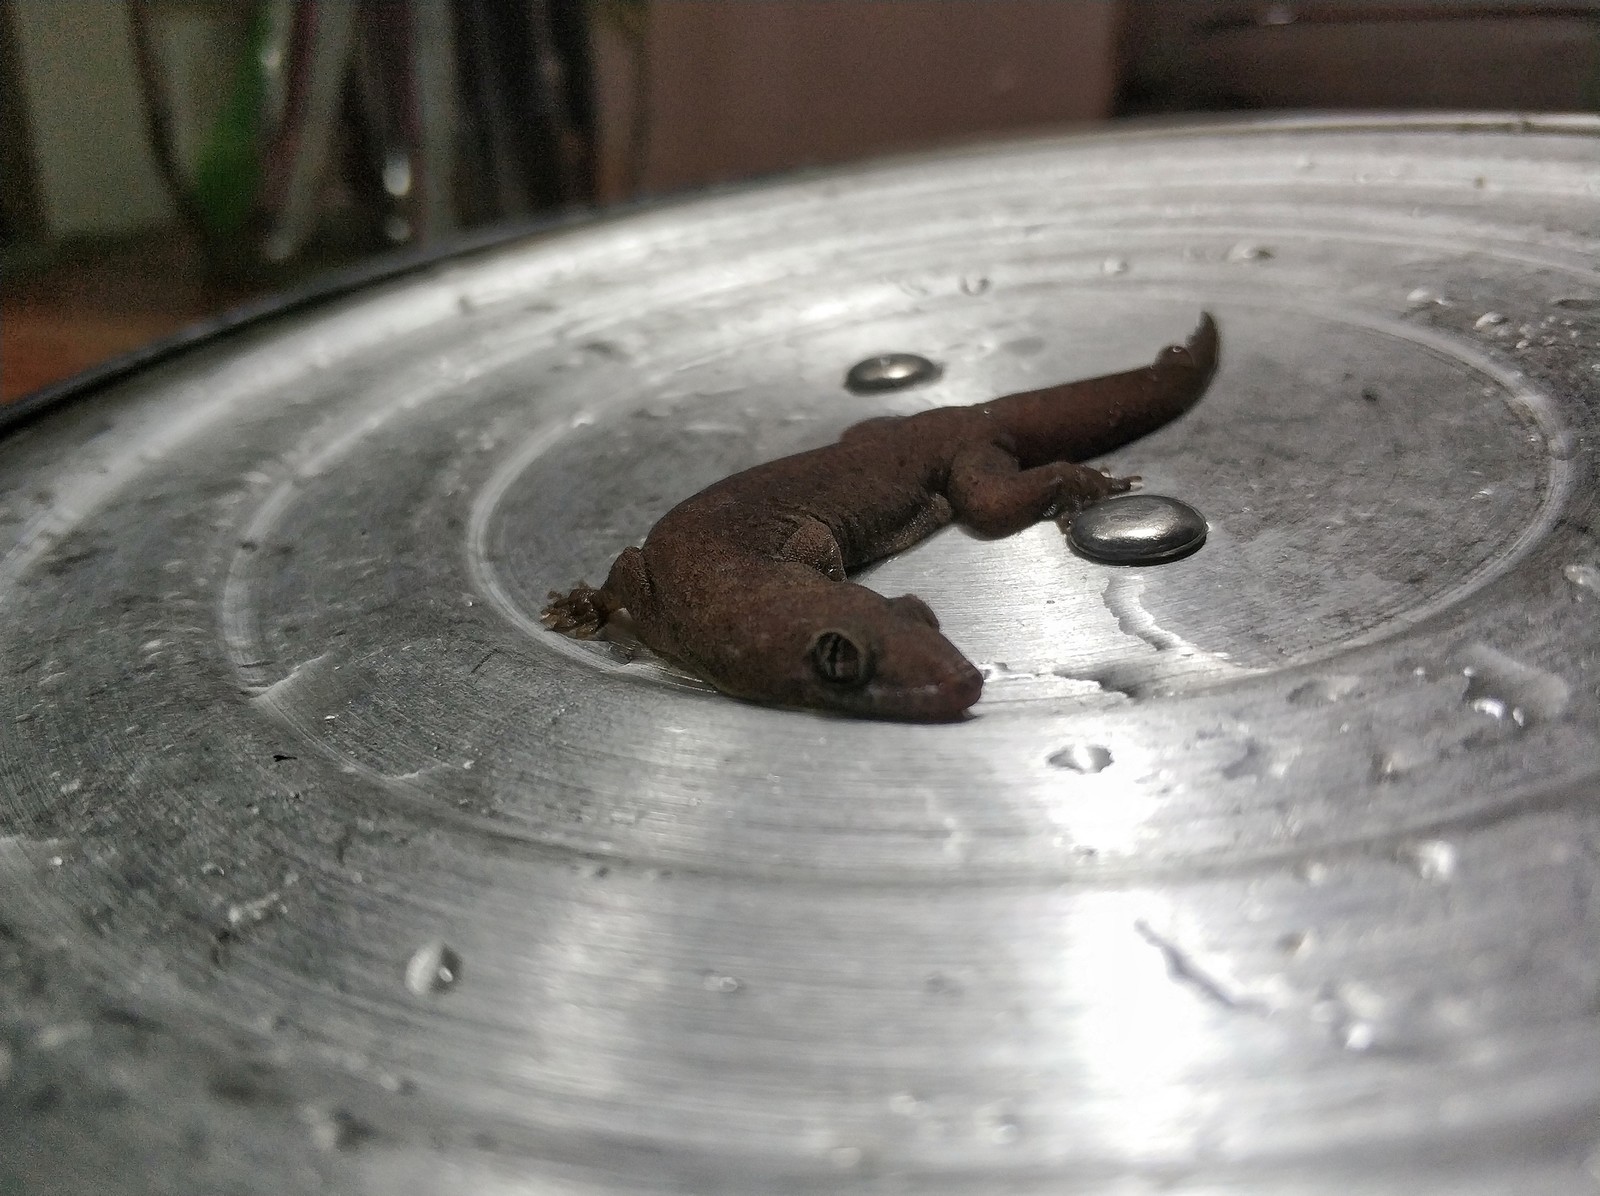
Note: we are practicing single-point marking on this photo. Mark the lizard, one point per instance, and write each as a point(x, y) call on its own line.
point(746, 583)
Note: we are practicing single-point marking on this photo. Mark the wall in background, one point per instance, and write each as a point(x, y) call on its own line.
point(93, 172)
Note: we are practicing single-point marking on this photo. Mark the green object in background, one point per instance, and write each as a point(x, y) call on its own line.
point(228, 173)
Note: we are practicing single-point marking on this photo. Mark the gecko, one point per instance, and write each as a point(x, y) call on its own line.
point(746, 583)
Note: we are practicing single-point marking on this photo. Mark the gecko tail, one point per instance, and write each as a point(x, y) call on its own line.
point(1079, 420)
point(580, 613)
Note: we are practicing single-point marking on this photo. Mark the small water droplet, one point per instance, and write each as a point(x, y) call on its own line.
point(1114, 265)
point(717, 982)
point(1585, 577)
point(1431, 859)
point(908, 1105)
point(1294, 942)
point(1082, 757)
point(1005, 1132)
point(334, 1129)
point(1357, 1035)
point(845, 1158)
point(1322, 691)
point(1313, 872)
point(1562, 445)
point(433, 968)
point(1493, 707)
point(1425, 297)
point(999, 1124)
point(1504, 688)
point(974, 286)
point(1247, 251)
point(1489, 319)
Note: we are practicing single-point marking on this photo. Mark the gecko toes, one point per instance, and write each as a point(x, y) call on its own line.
point(575, 614)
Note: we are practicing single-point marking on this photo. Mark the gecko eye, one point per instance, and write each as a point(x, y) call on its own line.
point(840, 660)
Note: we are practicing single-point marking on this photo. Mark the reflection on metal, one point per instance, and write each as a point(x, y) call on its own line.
point(324, 867)
point(890, 371)
point(1138, 529)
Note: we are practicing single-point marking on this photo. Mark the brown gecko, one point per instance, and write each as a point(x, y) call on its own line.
point(745, 583)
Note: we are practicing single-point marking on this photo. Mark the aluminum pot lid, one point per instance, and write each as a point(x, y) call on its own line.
point(323, 864)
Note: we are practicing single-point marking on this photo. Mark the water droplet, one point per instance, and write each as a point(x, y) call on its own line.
point(433, 968)
point(252, 913)
point(1005, 1132)
point(999, 1124)
point(1357, 1035)
point(1505, 688)
point(1489, 319)
point(334, 1129)
point(845, 1158)
point(1562, 445)
point(1493, 707)
point(1304, 162)
point(1114, 265)
point(1322, 691)
point(1082, 757)
point(716, 982)
point(974, 286)
point(1246, 251)
point(908, 1105)
point(1585, 577)
point(1294, 942)
point(890, 371)
point(1313, 872)
point(1431, 859)
point(1424, 297)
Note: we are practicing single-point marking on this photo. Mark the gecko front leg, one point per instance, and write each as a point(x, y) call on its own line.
point(992, 494)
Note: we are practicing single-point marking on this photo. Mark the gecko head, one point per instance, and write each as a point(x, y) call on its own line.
point(889, 663)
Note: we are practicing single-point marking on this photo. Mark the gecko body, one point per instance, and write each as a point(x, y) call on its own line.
point(745, 583)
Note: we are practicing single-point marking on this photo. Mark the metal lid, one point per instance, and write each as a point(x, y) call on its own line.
point(325, 865)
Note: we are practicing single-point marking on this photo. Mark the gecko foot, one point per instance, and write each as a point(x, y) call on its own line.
point(576, 613)
point(1095, 485)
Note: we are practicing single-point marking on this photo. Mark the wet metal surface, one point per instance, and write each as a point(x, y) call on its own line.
point(1273, 869)
point(1138, 529)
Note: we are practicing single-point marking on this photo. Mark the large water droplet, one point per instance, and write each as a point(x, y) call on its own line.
point(1082, 757)
point(433, 968)
point(1489, 319)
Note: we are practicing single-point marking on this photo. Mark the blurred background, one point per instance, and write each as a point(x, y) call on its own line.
point(163, 160)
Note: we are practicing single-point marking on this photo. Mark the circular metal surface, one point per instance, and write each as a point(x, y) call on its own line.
point(1137, 529)
point(1270, 870)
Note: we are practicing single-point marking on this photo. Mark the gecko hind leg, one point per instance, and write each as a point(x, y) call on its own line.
point(581, 612)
